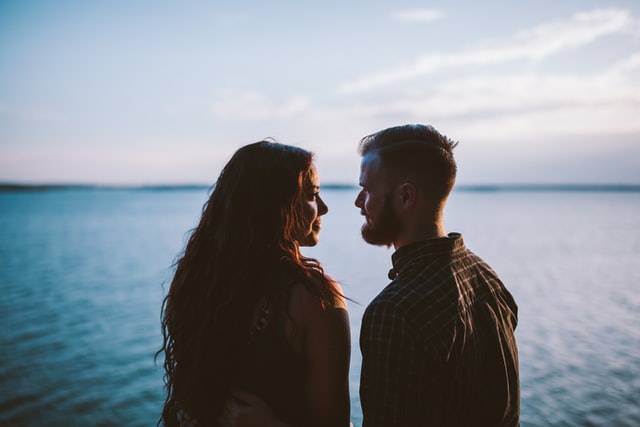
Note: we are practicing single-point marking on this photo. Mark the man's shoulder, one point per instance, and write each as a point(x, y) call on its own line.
point(414, 301)
point(396, 293)
point(388, 299)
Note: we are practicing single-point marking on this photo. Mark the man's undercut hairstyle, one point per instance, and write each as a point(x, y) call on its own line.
point(417, 152)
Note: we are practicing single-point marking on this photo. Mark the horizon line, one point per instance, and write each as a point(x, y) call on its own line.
point(488, 187)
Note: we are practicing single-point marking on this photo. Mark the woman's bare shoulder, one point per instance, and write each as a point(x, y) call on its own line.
point(313, 295)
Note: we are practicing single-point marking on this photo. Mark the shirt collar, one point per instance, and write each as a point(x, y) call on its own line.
point(449, 246)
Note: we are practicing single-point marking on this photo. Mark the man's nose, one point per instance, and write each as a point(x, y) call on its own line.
point(358, 201)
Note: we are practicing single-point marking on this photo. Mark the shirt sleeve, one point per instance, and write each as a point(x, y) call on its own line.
point(385, 343)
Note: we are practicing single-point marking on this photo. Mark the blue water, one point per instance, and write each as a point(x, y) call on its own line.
point(82, 274)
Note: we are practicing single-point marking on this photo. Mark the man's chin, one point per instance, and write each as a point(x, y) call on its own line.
point(375, 237)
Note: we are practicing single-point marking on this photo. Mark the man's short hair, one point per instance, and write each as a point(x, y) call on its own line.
point(418, 152)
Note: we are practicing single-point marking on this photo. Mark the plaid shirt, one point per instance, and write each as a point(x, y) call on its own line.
point(438, 345)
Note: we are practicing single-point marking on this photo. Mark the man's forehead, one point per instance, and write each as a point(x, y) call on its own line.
point(370, 164)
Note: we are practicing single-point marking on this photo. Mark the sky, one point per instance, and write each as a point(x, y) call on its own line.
point(163, 92)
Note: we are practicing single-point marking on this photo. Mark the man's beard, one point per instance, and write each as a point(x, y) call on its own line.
point(386, 228)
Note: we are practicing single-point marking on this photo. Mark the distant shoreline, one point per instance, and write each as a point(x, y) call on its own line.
point(628, 188)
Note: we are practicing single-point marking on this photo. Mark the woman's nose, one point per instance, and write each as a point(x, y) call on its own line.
point(322, 206)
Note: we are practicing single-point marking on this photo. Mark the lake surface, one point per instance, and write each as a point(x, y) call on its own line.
point(82, 274)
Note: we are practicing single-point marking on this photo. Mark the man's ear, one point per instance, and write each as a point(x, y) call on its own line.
point(407, 195)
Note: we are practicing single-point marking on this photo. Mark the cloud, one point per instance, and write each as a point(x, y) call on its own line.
point(548, 39)
point(536, 43)
point(519, 106)
point(515, 107)
point(417, 15)
point(508, 106)
point(627, 65)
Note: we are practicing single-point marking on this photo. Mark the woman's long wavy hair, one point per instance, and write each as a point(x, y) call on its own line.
point(248, 225)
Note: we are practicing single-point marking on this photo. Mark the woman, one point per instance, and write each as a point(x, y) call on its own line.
point(246, 310)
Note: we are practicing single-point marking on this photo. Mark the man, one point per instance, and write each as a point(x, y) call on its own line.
point(438, 345)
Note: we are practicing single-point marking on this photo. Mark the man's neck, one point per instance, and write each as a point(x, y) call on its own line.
point(424, 232)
